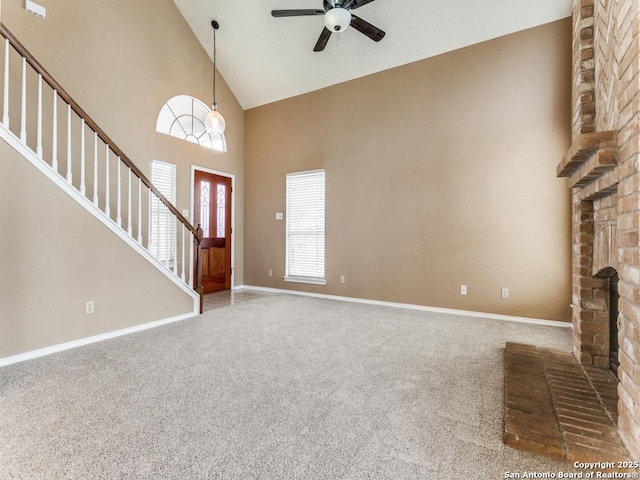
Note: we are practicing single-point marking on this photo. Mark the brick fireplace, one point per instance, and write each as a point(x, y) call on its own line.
point(603, 170)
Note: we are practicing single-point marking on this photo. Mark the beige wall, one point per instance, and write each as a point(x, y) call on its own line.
point(439, 173)
point(121, 61)
point(48, 275)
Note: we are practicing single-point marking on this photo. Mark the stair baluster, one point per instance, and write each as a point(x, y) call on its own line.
point(5, 109)
point(119, 196)
point(129, 229)
point(139, 210)
point(39, 129)
point(96, 200)
point(107, 190)
point(82, 159)
point(69, 155)
point(23, 103)
point(54, 139)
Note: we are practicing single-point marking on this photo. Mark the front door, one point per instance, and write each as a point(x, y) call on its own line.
point(212, 210)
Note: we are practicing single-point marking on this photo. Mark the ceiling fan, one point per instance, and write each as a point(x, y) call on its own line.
point(337, 17)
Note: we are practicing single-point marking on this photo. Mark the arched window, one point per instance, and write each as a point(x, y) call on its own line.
point(183, 117)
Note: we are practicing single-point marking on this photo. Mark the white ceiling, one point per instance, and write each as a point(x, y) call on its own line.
point(265, 59)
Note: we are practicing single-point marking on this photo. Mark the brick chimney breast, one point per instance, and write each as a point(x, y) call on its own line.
point(602, 168)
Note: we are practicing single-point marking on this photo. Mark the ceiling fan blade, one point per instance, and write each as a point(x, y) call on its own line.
point(374, 33)
point(353, 4)
point(322, 41)
point(296, 13)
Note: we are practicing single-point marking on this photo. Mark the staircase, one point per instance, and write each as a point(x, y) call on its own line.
point(49, 129)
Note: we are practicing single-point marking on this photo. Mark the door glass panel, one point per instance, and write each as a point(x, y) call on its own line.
point(205, 189)
point(222, 198)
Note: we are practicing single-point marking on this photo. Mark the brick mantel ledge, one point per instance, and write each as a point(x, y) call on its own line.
point(597, 148)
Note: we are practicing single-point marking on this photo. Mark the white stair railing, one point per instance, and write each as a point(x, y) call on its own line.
point(103, 174)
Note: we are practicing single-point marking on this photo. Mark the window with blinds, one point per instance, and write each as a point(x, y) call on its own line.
point(305, 199)
point(162, 225)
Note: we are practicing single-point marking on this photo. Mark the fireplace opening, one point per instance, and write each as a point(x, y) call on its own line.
point(613, 323)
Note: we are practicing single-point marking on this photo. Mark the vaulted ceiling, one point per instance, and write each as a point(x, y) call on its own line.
point(265, 59)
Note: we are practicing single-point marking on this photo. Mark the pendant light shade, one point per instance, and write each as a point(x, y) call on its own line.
point(214, 123)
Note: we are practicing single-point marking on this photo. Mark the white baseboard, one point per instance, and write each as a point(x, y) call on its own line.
point(22, 357)
point(424, 308)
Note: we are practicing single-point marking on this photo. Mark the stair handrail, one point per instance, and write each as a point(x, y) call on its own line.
point(68, 99)
point(62, 93)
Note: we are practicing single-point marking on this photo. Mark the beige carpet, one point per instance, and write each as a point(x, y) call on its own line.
point(281, 387)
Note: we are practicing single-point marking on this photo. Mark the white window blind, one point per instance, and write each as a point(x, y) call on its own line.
point(305, 192)
point(162, 234)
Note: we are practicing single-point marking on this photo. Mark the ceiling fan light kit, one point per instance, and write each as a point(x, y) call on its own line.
point(337, 18)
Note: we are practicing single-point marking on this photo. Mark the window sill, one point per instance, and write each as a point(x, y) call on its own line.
point(310, 280)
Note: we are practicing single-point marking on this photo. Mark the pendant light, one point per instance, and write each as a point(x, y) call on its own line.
point(214, 123)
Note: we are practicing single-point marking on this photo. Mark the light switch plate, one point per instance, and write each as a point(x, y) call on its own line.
point(279, 216)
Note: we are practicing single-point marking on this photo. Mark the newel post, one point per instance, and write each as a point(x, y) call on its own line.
point(198, 240)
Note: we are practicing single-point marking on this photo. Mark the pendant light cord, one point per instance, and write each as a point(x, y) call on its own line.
point(215, 26)
point(214, 122)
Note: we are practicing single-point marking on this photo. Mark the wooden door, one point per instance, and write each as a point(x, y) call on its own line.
point(212, 210)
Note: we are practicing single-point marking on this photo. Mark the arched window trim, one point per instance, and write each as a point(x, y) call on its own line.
point(183, 117)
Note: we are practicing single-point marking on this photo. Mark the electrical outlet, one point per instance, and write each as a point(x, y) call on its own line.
point(342, 279)
point(270, 273)
point(505, 293)
point(463, 289)
point(90, 307)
